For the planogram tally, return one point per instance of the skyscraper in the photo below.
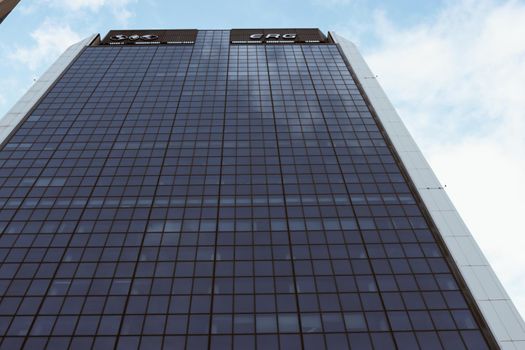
(246, 189)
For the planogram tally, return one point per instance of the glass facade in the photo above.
(217, 196)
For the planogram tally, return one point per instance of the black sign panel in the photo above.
(150, 36)
(277, 36)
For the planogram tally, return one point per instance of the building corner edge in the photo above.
(496, 307)
(23, 106)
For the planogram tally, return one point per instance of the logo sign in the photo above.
(134, 37)
(259, 36)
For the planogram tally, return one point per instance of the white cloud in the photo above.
(93, 5)
(458, 83)
(119, 8)
(51, 39)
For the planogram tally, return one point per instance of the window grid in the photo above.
(216, 195)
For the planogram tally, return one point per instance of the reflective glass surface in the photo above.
(216, 196)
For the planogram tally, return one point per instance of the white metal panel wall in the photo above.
(39, 88)
(498, 310)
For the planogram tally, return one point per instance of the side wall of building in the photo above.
(9, 122)
(498, 310)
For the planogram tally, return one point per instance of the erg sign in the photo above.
(260, 36)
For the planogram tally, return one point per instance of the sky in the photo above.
(454, 70)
